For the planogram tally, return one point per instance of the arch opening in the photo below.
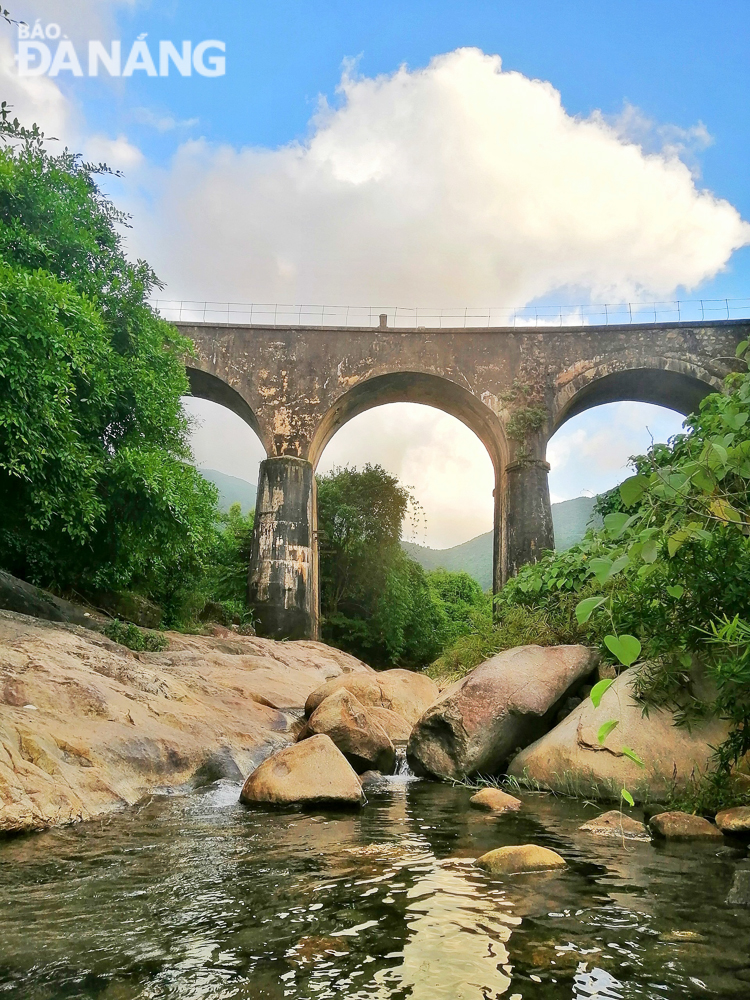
(438, 457)
(204, 385)
(227, 451)
(589, 454)
(661, 382)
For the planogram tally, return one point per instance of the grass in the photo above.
(518, 626)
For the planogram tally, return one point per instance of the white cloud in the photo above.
(162, 122)
(119, 154)
(458, 183)
(34, 99)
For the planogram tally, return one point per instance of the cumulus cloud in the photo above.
(35, 99)
(453, 184)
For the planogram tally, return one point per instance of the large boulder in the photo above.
(313, 772)
(503, 704)
(736, 821)
(404, 692)
(571, 756)
(360, 738)
(396, 726)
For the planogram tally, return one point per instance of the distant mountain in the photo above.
(570, 519)
(231, 490)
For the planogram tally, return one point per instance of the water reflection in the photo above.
(196, 898)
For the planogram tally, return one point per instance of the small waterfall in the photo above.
(401, 768)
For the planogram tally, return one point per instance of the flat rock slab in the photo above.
(616, 824)
(313, 772)
(524, 858)
(683, 826)
(495, 800)
(735, 820)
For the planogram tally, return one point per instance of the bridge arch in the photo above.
(204, 385)
(674, 383)
(414, 387)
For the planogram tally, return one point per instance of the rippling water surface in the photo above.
(197, 898)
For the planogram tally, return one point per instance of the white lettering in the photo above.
(219, 63)
(139, 58)
(52, 31)
(110, 60)
(167, 51)
(37, 30)
(27, 52)
(66, 58)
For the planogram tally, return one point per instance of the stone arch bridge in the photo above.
(296, 386)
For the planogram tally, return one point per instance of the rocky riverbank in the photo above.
(87, 726)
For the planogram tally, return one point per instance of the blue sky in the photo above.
(671, 77)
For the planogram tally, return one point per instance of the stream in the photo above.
(195, 897)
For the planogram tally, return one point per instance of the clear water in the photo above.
(197, 898)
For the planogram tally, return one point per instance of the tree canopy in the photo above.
(96, 485)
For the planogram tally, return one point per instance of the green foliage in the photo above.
(128, 634)
(375, 601)
(95, 483)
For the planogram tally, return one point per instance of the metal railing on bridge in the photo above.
(415, 318)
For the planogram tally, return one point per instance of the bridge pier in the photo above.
(282, 582)
(527, 515)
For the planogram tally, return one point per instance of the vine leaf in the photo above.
(633, 489)
(625, 647)
(599, 689)
(632, 755)
(586, 607)
(676, 591)
(606, 728)
(627, 797)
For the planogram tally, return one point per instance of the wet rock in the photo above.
(683, 826)
(404, 692)
(739, 894)
(524, 858)
(218, 766)
(313, 772)
(503, 704)
(361, 739)
(736, 821)
(616, 824)
(495, 800)
(570, 756)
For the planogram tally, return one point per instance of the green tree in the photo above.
(375, 601)
(95, 482)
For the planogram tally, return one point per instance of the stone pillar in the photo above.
(282, 585)
(527, 516)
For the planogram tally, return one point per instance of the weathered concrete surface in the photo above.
(87, 726)
(282, 586)
(296, 386)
